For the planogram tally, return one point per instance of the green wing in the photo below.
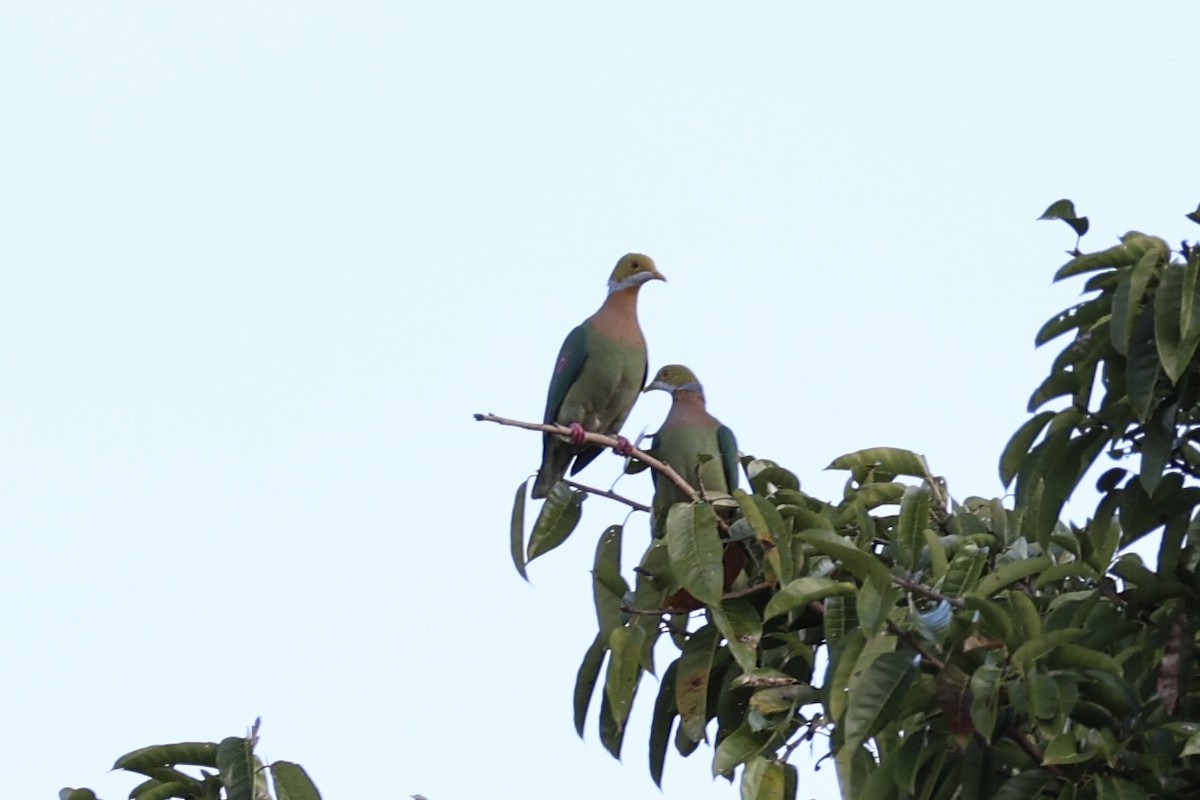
(729, 456)
(566, 371)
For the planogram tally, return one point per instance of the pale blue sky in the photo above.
(263, 260)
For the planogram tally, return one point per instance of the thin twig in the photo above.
(758, 587)
(656, 612)
(932, 594)
(634, 504)
(1031, 750)
(915, 644)
(605, 441)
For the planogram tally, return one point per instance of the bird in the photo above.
(598, 375)
(695, 443)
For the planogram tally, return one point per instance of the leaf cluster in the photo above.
(944, 649)
(228, 770)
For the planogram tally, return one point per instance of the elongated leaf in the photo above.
(235, 760)
(739, 623)
(200, 754)
(691, 682)
(694, 547)
(803, 591)
(557, 519)
(755, 510)
(661, 723)
(764, 779)
(1079, 315)
(840, 615)
(612, 735)
(739, 746)
(624, 670)
(1039, 646)
(1118, 789)
(861, 563)
(893, 459)
(1142, 371)
(985, 699)
(996, 622)
(841, 667)
(910, 528)
(875, 600)
(292, 782)
(1028, 785)
(585, 680)
(1010, 573)
(608, 587)
(1168, 324)
(1075, 657)
(517, 530)
(876, 696)
(964, 570)
(1189, 303)
(164, 791)
(1019, 444)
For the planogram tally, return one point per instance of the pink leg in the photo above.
(577, 433)
(624, 447)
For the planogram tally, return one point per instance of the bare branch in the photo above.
(921, 589)
(605, 441)
(634, 504)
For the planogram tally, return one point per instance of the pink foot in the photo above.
(624, 447)
(578, 434)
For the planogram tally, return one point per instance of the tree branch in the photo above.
(634, 504)
(650, 461)
(921, 589)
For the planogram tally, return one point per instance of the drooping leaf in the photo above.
(695, 550)
(841, 667)
(559, 515)
(608, 587)
(692, 681)
(736, 748)
(985, 698)
(756, 511)
(517, 530)
(861, 563)
(739, 623)
(624, 670)
(1118, 789)
(292, 782)
(1077, 316)
(585, 680)
(612, 735)
(910, 528)
(1142, 371)
(764, 779)
(665, 712)
(840, 614)
(875, 600)
(877, 694)
(1039, 646)
(235, 760)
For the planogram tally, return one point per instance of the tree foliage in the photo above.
(946, 648)
(229, 770)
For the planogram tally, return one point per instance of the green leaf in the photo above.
(860, 562)
(557, 519)
(1064, 749)
(612, 735)
(964, 570)
(1189, 301)
(764, 779)
(1076, 657)
(1194, 216)
(840, 614)
(738, 747)
(200, 754)
(695, 550)
(691, 682)
(1019, 444)
(739, 623)
(877, 694)
(874, 602)
(1118, 789)
(608, 587)
(517, 530)
(756, 510)
(661, 723)
(1010, 573)
(1039, 646)
(893, 459)
(1065, 210)
(803, 591)
(235, 760)
(996, 622)
(292, 782)
(1173, 353)
(985, 698)
(842, 659)
(585, 680)
(624, 670)
(1142, 371)
(910, 528)
(1077, 316)
(1028, 785)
